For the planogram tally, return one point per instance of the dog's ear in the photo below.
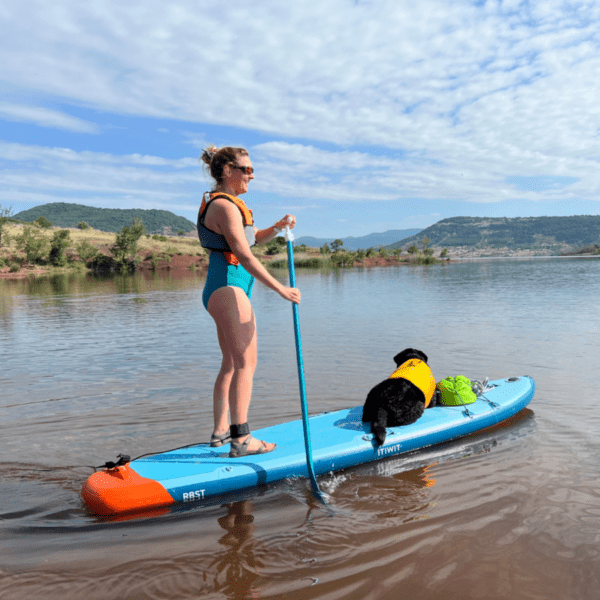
(409, 353)
(421, 355)
(402, 357)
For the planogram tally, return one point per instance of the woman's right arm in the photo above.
(229, 221)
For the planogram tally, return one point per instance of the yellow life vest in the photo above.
(419, 373)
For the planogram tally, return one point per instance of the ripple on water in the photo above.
(511, 512)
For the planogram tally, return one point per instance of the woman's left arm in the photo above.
(264, 236)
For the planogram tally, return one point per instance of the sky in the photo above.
(360, 116)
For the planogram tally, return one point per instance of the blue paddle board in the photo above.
(339, 440)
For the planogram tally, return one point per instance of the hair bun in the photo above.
(208, 154)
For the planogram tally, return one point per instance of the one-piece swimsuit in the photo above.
(221, 272)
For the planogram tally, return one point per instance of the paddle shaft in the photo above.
(303, 403)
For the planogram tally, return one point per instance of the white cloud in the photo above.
(305, 171)
(45, 118)
(41, 174)
(455, 97)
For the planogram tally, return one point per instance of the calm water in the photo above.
(91, 368)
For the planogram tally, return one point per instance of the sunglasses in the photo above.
(246, 170)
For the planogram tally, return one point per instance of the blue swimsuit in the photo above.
(221, 272)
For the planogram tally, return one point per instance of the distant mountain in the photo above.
(520, 232)
(63, 214)
(373, 240)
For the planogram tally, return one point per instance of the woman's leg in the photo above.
(221, 390)
(232, 312)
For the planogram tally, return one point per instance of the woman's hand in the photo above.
(287, 221)
(291, 294)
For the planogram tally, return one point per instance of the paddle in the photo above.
(309, 461)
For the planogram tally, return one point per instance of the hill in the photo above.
(63, 214)
(373, 240)
(545, 233)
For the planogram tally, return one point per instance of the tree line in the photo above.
(336, 255)
(43, 250)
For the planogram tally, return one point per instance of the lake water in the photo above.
(93, 367)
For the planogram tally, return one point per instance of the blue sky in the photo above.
(359, 115)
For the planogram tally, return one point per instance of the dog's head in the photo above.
(407, 354)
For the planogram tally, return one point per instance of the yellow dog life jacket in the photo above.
(419, 373)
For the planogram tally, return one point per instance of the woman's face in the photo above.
(237, 179)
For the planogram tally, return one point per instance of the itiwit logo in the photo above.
(389, 450)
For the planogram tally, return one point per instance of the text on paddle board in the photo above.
(197, 495)
(390, 450)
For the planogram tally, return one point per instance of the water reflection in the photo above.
(73, 284)
(237, 567)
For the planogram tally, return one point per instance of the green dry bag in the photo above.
(456, 391)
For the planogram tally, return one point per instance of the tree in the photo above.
(425, 241)
(413, 250)
(341, 259)
(43, 223)
(325, 249)
(33, 242)
(275, 246)
(336, 245)
(5, 214)
(127, 240)
(86, 251)
(59, 243)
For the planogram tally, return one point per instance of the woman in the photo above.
(226, 229)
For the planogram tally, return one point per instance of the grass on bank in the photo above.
(45, 249)
(29, 246)
(313, 259)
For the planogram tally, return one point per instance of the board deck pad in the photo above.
(339, 440)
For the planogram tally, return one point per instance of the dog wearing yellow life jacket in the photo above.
(402, 398)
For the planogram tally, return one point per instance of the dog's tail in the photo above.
(378, 427)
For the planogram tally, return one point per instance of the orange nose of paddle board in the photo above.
(121, 489)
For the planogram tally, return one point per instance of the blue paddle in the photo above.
(309, 461)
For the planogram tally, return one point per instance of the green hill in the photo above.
(63, 214)
(554, 233)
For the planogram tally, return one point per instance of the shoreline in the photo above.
(191, 262)
(181, 253)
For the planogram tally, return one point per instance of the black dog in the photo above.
(397, 400)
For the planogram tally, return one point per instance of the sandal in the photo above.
(217, 439)
(241, 448)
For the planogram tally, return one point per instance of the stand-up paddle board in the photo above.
(339, 440)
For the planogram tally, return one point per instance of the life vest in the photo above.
(212, 240)
(419, 373)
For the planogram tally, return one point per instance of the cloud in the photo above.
(45, 118)
(40, 174)
(307, 171)
(361, 101)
